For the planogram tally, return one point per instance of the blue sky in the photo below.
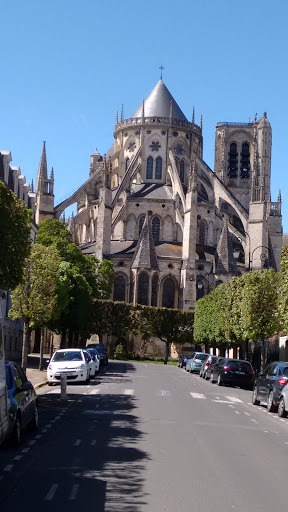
(67, 66)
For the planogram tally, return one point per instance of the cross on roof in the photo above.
(161, 68)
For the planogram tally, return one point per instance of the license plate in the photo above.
(240, 373)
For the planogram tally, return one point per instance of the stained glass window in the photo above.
(154, 290)
(143, 287)
(149, 168)
(156, 228)
(119, 289)
(158, 172)
(168, 297)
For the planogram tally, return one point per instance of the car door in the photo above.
(21, 396)
(89, 363)
(265, 380)
(218, 367)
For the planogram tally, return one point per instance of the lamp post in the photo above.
(199, 283)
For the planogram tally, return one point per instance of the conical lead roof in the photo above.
(158, 104)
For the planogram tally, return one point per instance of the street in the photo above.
(148, 437)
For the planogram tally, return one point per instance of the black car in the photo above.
(269, 384)
(208, 361)
(22, 402)
(236, 372)
(182, 361)
(209, 371)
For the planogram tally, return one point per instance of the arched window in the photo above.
(119, 289)
(202, 237)
(199, 289)
(182, 170)
(141, 222)
(158, 171)
(168, 297)
(127, 164)
(149, 168)
(154, 290)
(233, 161)
(245, 161)
(156, 229)
(143, 287)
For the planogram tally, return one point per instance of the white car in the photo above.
(73, 362)
(283, 403)
(92, 363)
(95, 358)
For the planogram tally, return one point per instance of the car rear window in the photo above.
(239, 366)
(201, 357)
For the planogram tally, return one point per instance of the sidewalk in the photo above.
(37, 377)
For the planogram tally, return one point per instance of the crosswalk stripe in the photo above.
(50, 494)
(163, 392)
(234, 399)
(198, 395)
(128, 392)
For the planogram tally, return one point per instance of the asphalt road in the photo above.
(148, 438)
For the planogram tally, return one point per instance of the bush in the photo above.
(119, 352)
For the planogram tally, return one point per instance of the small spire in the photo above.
(52, 174)
(122, 113)
(42, 170)
(63, 217)
(143, 109)
(256, 116)
(193, 116)
(116, 120)
(279, 197)
(32, 186)
(265, 115)
(171, 109)
(161, 69)
(201, 122)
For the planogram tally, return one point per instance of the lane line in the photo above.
(163, 392)
(247, 413)
(198, 395)
(78, 442)
(74, 492)
(237, 412)
(94, 391)
(128, 392)
(8, 468)
(234, 399)
(25, 450)
(93, 442)
(51, 493)
(18, 457)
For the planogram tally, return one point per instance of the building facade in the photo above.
(174, 228)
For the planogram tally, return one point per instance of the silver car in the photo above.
(283, 403)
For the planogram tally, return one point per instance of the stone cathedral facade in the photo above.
(174, 228)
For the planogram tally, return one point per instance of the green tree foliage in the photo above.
(34, 299)
(114, 318)
(283, 291)
(15, 220)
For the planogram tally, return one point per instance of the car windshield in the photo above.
(67, 356)
(240, 366)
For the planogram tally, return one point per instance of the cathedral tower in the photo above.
(44, 190)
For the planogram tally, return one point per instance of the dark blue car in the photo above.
(22, 402)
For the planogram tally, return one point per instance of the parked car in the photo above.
(182, 361)
(101, 351)
(95, 357)
(209, 374)
(283, 403)
(236, 372)
(22, 402)
(194, 363)
(269, 385)
(207, 362)
(72, 363)
(91, 363)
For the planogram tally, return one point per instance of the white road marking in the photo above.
(18, 457)
(78, 442)
(247, 413)
(38, 436)
(25, 450)
(93, 442)
(32, 442)
(128, 392)
(232, 406)
(237, 412)
(74, 492)
(163, 392)
(50, 494)
(94, 391)
(198, 395)
(267, 432)
(286, 442)
(234, 399)
(255, 421)
(8, 468)
(221, 401)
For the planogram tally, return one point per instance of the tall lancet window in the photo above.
(168, 297)
(156, 229)
(158, 171)
(127, 164)
(245, 161)
(143, 288)
(154, 290)
(149, 168)
(233, 161)
(141, 222)
(182, 170)
(119, 289)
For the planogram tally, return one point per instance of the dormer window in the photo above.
(245, 161)
(233, 161)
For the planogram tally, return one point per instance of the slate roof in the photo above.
(152, 191)
(145, 254)
(226, 263)
(158, 102)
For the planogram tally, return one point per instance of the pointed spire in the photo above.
(42, 170)
(193, 116)
(145, 253)
(32, 186)
(122, 113)
(52, 174)
(116, 120)
(201, 122)
(226, 263)
(279, 197)
(171, 109)
(143, 109)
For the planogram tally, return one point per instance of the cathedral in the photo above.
(173, 227)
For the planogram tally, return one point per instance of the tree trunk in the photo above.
(263, 355)
(167, 352)
(63, 339)
(41, 350)
(25, 348)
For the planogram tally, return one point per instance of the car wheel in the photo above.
(281, 409)
(219, 381)
(255, 400)
(16, 434)
(271, 407)
(35, 420)
(212, 377)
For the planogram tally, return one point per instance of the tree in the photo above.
(283, 291)
(169, 325)
(34, 299)
(15, 242)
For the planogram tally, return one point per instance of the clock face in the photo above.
(179, 149)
